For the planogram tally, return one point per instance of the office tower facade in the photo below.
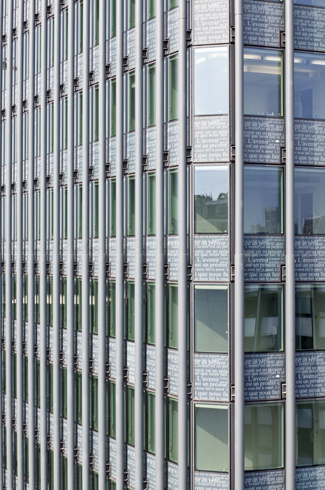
(162, 244)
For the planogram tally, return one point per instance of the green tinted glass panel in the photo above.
(113, 209)
(173, 430)
(131, 207)
(96, 210)
(151, 204)
(152, 95)
(173, 203)
(173, 316)
(173, 89)
(211, 438)
(131, 305)
(132, 101)
(96, 114)
(310, 433)
(310, 317)
(131, 13)
(151, 423)
(113, 108)
(151, 313)
(112, 305)
(112, 410)
(151, 9)
(131, 421)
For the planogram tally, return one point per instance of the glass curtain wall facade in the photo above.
(120, 156)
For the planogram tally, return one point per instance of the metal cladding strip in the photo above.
(119, 253)
(43, 274)
(1, 273)
(239, 251)
(182, 257)
(102, 250)
(290, 335)
(9, 318)
(85, 252)
(19, 257)
(31, 277)
(139, 346)
(56, 251)
(160, 256)
(70, 256)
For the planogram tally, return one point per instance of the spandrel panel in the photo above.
(263, 257)
(310, 374)
(310, 258)
(210, 22)
(211, 139)
(310, 478)
(265, 480)
(263, 139)
(211, 258)
(309, 142)
(211, 377)
(263, 22)
(209, 481)
(151, 147)
(264, 374)
(309, 28)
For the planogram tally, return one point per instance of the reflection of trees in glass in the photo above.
(211, 215)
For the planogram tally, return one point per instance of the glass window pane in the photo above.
(131, 13)
(173, 89)
(210, 199)
(211, 81)
(151, 423)
(96, 19)
(151, 9)
(113, 107)
(131, 305)
(263, 82)
(132, 101)
(211, 319)
(152, 95)
(95, 306)
(309, 201)
(211, 438)
(263, 200)
(309, 86)
(173, 316)
(113, 208)
(113, 18)
(264, 440)
(310, 317)
(112, 410)
(131, 214)
(173, 3)
(173, 203)
(96, 114)
(112, 300)
(151, 313)
(96, 210)
(263, 318)
(173, 430)
(151, 204)
(310, 430)
(131, 422)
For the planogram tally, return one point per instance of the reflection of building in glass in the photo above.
(314, 226)
(271, 220)
(215, 211)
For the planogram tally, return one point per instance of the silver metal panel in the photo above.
(79, 349)
(96, 255)
(131, 361)
(310, 374)
(310, 478)
(263, 256)
(211, 139)
(264, 480)
(172, 370)
(263, 22)
(310, 258)
(151, 37)
(131, 465)
(211, 377)
(95, 159)
(151, 147)
(131, 151)
(112, 357)
(207, 481)
(112, 456)
(173, 30)
(112, 255)
(95, 450)
(151, 471)
(263, 376)
(131, 256)
(172, 471)
(131, 48)
(151, 257)
(151, 366)
(309, 30)
(95, 354)
(79, 437)
(210, 22)
(172, 257)
(263, 137)
(211, 258)
(96, 63)
(172, 142)
(309, 148)
(112, 155)
(112, 56)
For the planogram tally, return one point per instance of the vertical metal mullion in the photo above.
(290, 342)
(56, 252)
(102, 250)
(70, 258)
(19, 257)
(239, 252)
(119, 253)
(160, 257)
(1, 250)
(139, 247)
(85, 253)
(182, 258)
(31, 299)
(8, 252)
(43, 275)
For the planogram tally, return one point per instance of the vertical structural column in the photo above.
(85, 253)
(1, 249)
(19, 257)
(182, 258)
(119, 253)
(31, 288)
(43, 275)
(239, 251)
(160, 257)
(138, 248)
(70, 258)
(8, 266)
(56, 252)
(102, 251)
(290, 342)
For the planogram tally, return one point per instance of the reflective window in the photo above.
(173, 316)
(112, 309)
(151, 423)
(151, 9)
(173, 430)
(132, 101)
(211, 318)
(310, 317)
(264, 441)
(152, 95)
(112, 409)
(131, 207)
(309, 86)
(113, 209)
(263, 82)
(130, 419)
(131, 13)
(130, 311)
(263, 200)
(172, 89)
(311, 3)
(210, 199)
(211, 81)
(172, 202)
(151, 211)
(113, 18)
(211, 438)
(309, 201)
(151, 313)
(263, 318)
(113, 107)
(172, 4)
(310, 433)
